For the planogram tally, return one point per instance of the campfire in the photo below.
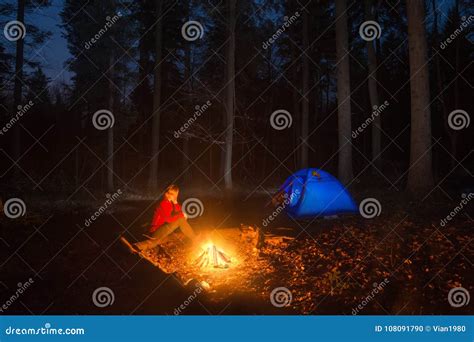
(226, 260)
(212, 257)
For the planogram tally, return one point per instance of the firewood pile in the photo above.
(213, 257)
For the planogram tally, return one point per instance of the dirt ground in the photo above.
(332, 266)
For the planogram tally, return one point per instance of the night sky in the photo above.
(54, 51)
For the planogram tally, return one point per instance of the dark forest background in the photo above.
(151, 78)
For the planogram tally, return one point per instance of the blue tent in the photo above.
(314, 192)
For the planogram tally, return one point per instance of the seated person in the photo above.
(167, 218)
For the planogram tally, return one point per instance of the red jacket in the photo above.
(165, 212)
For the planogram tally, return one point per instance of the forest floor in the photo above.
(400, 262)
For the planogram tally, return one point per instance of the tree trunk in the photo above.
(328, 87)
(454, 135)
(420, 177)
(343, 95)
(318, 99)
(305, 99)
(18, 86)
(296, 108)
(439, 82)
(143, 79)
(230, 97)
(76, 167)
(456, 64)
(373, 91)
(189, 101)
(155, 131)
(110, 131)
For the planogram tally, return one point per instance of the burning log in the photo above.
(223, 257)
(212, 257)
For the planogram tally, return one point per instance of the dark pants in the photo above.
(163, 231)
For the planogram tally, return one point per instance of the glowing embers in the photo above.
(212, 257)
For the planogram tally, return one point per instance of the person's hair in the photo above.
(172, 187)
